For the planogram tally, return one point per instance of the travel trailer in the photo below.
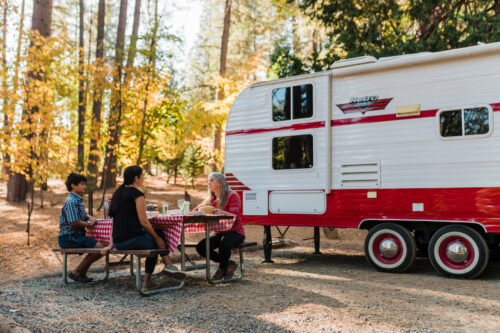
(407, 147)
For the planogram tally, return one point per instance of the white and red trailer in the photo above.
(407, 147)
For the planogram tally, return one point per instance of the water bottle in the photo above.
(106, 208)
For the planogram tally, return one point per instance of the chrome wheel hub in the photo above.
(457, 252)
(388, 248)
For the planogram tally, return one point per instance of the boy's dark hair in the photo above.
(75, 179)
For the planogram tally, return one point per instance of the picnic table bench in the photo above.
(139, 254)
(174, 228)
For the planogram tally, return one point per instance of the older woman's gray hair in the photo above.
(223, 193)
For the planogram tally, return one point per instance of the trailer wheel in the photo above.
(458, 251)
(390, 248)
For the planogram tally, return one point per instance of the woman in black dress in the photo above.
(131, 228)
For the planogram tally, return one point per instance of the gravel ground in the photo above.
(300, 292)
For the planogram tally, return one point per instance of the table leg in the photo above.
(138, 282)
(107, 267)
(207, 251)
(183, 253)
(65, 268)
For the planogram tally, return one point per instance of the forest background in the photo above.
(94, 86)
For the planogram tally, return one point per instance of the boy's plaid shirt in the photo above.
(72, 211)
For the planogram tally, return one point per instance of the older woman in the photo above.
(225, 202)
(131, 228)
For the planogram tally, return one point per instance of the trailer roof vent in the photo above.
(360, 175)
(353, 62)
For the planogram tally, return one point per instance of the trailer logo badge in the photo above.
(364, 104)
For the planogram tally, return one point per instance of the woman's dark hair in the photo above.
(128, 179)
(75, 179)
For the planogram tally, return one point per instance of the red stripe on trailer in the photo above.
(348, 208)
(495, 106)
(346, 121)
(294, 127)
(235, 184)
(239, 188)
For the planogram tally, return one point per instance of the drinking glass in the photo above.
(181, 206)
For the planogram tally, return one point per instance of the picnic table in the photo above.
(174, 227)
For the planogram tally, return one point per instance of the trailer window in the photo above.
(451, 123)
(302, 101)
(293, 152)
(281, 104)
(476, 121)
(293, 103)
(471, 121)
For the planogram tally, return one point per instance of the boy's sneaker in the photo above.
(173, 272)
(150, 285)
(219, 274)
(231, 267)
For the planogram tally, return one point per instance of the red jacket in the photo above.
(233, 206)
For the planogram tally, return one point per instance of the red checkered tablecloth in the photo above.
(171, 226)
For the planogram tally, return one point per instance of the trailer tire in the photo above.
(458, 252)
(390, 248)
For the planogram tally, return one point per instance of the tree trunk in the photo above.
(97, 102)
(42, 17)
(225, 38)
(295, 35)
(222, 73)
(109, 171)
(5, 95)
(132, 50)
(152, 63)
(17, 186)
(41, 21)
(116, 100)
(9, 112)
(82, 101)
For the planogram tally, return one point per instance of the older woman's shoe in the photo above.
(219, 274)
(231, 267)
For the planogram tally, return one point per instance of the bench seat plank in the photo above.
(242, 245)
(140, 253)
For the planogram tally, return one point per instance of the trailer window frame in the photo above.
(294, 170)
(463, 136)
(291, 102)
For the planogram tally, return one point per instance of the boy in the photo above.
(72, 224)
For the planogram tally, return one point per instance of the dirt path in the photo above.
(336, 291)
(301, 292)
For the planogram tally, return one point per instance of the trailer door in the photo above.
(297, 154)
